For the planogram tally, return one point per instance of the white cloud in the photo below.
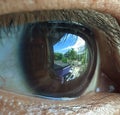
(79, 43)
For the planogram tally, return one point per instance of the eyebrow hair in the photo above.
(91, 18)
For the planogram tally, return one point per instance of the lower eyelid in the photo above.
(92, 102)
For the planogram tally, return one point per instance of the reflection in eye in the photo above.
(48, 59)
(70, 57)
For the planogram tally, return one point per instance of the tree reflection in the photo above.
(71, 60)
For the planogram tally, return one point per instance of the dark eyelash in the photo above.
(90, 18)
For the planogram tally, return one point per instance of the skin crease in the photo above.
(92, 103)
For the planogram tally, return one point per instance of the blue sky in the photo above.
(67, 42)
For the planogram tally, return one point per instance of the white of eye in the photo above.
(11, 75)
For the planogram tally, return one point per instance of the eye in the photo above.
(51, 59)
(41, 58)
(109, 64)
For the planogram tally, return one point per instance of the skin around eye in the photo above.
(108, 6)
(92, 106)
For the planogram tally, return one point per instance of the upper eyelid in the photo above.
(90, 18)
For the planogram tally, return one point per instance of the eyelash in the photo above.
(90, 18)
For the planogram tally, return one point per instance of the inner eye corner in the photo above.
(59, 58)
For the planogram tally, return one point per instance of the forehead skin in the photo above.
(103, 103)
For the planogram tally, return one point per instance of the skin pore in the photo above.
(106, 103)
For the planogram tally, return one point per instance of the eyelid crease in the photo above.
(90, 18)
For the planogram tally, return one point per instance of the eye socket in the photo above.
(58, 58)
